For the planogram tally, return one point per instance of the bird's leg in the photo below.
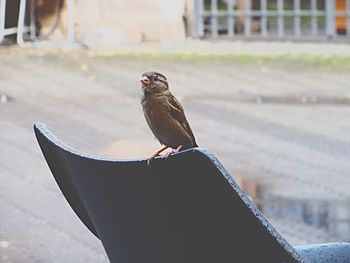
(173, 151)
(178, 149)
(149, 160)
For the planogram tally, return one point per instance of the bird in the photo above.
(164, 115)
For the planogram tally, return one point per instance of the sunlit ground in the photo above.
(280, 125)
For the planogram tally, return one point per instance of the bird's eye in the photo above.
(155, 77)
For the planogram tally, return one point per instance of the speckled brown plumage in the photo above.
(164, 114)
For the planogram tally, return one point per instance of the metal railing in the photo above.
(21, 28)
(272, 19)
(70, 27)
(6, 31)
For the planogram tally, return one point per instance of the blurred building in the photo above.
(104, 23)
(110, 23)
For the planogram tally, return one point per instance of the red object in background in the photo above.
(341, 20)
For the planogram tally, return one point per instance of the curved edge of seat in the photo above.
(42, 131)
(267, 225)
(47, 139)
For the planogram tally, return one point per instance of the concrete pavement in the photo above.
(265, 121)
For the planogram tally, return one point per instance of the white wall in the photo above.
(109, 23)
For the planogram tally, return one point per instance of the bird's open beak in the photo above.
(144, 80)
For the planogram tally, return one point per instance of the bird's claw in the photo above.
(167, 155)
(150, 159)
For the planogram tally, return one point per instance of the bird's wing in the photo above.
(178, 113)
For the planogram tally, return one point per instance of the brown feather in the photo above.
(165, 115)
(178, 113)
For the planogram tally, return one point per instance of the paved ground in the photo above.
(270, 48)
(289, 154)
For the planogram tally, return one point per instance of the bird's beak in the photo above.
(144, 80)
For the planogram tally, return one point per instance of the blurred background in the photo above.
(265, 85)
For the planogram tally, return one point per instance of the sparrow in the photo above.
(164, 115)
